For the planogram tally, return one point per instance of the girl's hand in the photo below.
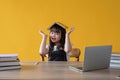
(68, 33)
(42, 33)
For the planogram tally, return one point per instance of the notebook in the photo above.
(95, 57)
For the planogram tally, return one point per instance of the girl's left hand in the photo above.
(71, 30)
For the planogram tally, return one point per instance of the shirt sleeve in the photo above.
(47, 47)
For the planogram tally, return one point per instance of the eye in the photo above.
(51, 32)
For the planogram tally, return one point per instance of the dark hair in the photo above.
(57, 28)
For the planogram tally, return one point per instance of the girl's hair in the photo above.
(57, 29)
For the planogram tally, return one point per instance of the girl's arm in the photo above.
(68, 46)
(43, 49)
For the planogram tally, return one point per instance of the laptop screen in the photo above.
(97, 57)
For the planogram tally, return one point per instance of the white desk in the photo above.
(56, 71)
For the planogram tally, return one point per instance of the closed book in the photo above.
(114, 65)
(8, 57)
(9, 63)
(115, 61)
(116, 55)
(115, 58)
(10, 67)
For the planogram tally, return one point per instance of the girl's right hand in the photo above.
(42, 33)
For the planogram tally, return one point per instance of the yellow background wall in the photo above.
(96, 22)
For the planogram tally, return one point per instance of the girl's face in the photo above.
(55, 36)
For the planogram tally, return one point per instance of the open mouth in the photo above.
(53, 39)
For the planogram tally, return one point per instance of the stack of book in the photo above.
(9, 62)
(115, 60)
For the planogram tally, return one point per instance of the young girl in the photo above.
(59, 43)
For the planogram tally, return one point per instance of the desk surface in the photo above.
(57, 71)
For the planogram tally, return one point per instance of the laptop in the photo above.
(95, 57)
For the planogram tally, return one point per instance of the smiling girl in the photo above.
(59, 43)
